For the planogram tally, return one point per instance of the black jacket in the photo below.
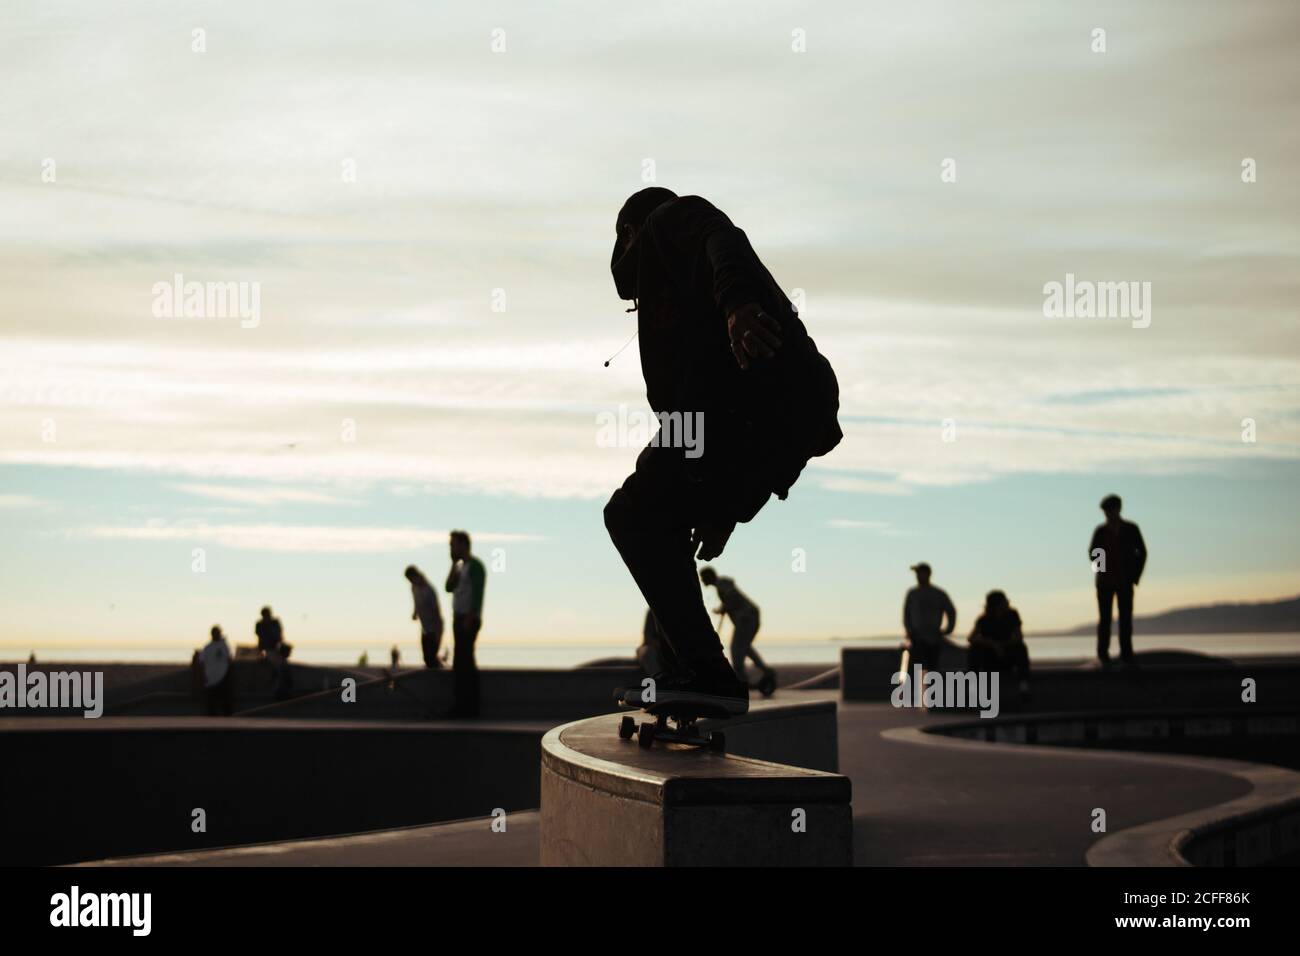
(1124, 560)
(694, 268)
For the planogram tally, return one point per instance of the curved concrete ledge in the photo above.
(609, 802)
(1255, 829)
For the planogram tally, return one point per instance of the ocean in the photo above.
(492, 653)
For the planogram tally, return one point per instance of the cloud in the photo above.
(377, 294)
(884, 528)
(323, 539)
(263, 495)
(21, 501)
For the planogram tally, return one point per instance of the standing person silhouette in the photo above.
(218, 675)
(269, 633)
(721, 347)
(925, 609)
(466, 582)
(427, 611)
(1118, 555)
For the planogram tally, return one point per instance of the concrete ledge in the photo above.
(507, 694)
(1164, 680)
(120, 786)
(608, 802)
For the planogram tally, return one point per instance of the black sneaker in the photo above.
(712, 683)
(635, 696)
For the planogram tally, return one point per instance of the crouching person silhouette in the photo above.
(722, 348)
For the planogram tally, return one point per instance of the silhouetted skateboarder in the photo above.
(1118, 555)
(720, 345)
(744, 622)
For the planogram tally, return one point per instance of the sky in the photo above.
(423, 196)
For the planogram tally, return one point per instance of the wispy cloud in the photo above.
(21, 502)
(327, 539)
(884, 528)
(263, 495)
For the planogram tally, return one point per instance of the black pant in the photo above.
(650, 520)
(1122, 594)
(430, 644)
(464, 630)
(221, 696)
(1013, 659)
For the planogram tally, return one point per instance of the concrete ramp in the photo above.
(771, 800)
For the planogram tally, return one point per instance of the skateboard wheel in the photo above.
(717, 741)
(645, 735)
(626, 728)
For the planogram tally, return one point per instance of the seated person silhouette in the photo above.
(997, 642)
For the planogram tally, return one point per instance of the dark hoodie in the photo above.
(689, 268)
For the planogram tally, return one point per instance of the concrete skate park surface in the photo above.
(128, 785)
(918, 799)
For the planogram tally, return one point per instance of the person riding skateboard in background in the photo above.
(924, 609)
(466, 581)
(720, 345)
(744, 622)
(652, 655)
(1118, 555)
(427, 611)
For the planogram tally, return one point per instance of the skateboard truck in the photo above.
(674, 722)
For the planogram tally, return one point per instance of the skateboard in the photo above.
(674, 722)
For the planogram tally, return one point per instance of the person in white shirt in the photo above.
(924, 612)
(218, 676)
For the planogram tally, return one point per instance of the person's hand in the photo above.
(754, 334)
(708, 540)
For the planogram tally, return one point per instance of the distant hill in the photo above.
(1264, 617)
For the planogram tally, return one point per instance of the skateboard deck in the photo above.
(674, 722)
